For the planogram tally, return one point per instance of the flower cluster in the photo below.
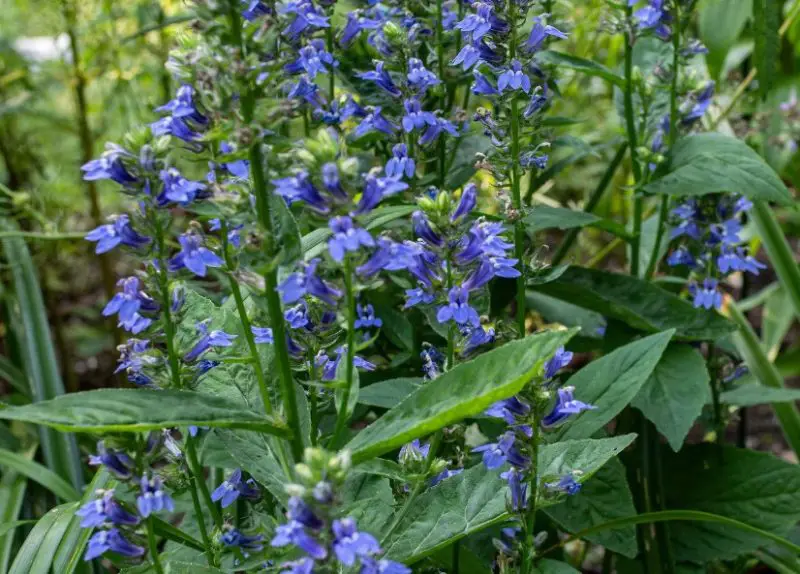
(315, 527)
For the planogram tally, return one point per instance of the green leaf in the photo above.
(36, 553)
(285, 230)
(136, 410)
(389, 394)
(9, 526)
(766, 372)
(606, 496)
(766, 53)
(611, 382)
(546, 217)
(382, 467)
(12, 495)
(461, 165)
(674, 395)
(751, 395)
(482, 381)
(547, 566)
(16, 378)
(719, 24)
(775, 322)
(756, 488)
(396, 326)
(638, 303)
(38, 473)
(476, 498)
(588, 67)
(713, 163)
(252, 454)
(39, 357)
(368, 499)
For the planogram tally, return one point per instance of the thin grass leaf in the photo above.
(38, 473)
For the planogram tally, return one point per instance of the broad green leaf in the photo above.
(461, 164)
(588, 67)
(719, 24)
(39, 358)
(368, 499)
(195, 309)
(381, 467)
(775, 322)
(389, 394)
(604, 497)
(755, 394)
(466, 390)
(476, 498)
(136, 410)
(557, 311)
(547, 566)
(546, 217)
(713, 163)
(767, 15)
(38, 473)
(638, 303)
(36, 553)
(396, 326)
(674, 395)
(611, 382)
(178, 567)
(756, 488)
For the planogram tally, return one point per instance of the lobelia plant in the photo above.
(330, 336)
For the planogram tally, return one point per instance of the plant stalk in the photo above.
(630, 126)
(151, 543)
(343, 415)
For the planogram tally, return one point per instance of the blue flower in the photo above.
(347, 238)
(119, 231)
(482, 22)
(538, 34)
(331, 181)
(193, 256)
(329, 367)
(481, 86)
(305, 15)
(179, 189)
(514, 78)
(128, 303)
(255, 9)
(382, 78)
(239, 168)
(737, 259)
(415, 118)
(508, 410)
(119, 463)
(413, 452)
(133, 360)
(305, 90)
(565, 406)
(400, 164)
(708, 296)
(418, 296)
(294, 533)
(558, 361)
(688, 214)
(458, 309)
(178, 128)
(152, 497)
(234, 538)
(566, 484)
(302, 566)
(356, 23)
(233, 235)
(110, 166)
(230, 490)
(113, 540)
(653, 16)
(489, 268)
(468, 201)
(300, 188)
(350, 544)
(306, 282)
(299, 511)
(375, 190)
(422, 229)
(432, 362)
(313, 59)
(371, 566)
(483, 238)
(435, 130)
(183, 106)
(366, 318)
(444, 475)
(700, 106)
(518, 487)
(214, 338)
(105, 510)
(681, 256)
(477, 338)
(419, 77)
(374, 121)
(497, 454)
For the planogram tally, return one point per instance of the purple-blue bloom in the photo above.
(419, 77)
(566, 484)
(234, 487)
(497, 454)
(113, 540)
(565, 406)
(558, 361)
(306, 282)
(514, 78)
(152, 497)
(312, 59)
(400, 164)
(105, 510)
(119, 463)
(518, 487)
(118, 232)
(458, 309)
(468, 201)
(708, 296)
(347, 238)
(179, 189)
(349, 544)
(294, 533)
(128, 303)
(415, 118)
(194, 256)
(234, 538)
(539, 33)
(208, 340)
(110, 166)
(382, 78)
(366, 317)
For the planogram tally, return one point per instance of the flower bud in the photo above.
(394, 35)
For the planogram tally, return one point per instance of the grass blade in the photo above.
(38, 473)
(780, 253)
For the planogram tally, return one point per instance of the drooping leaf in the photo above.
(38, 473)
(12, 495)
(546, 217)
(480, 382)
(396, 326)
(611, 382)
(713, 163)
(389, 394)
(462, 164)
(606, 496)
(476, 498)
(755, 394)
(756, 488)
(583, 65)
(674, 395)
(39, 357)
(638, 303)
(136, 410)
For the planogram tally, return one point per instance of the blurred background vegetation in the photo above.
(74, 75)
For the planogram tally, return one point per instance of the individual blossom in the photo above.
(415, 118)
(110, 166)
(178, 189)
(111, 540)
(400, 164)
(566, 484)
(300, 188)
(152, 497)
(374, 121)
(349, 544)
(194, 256)
(375, 190)
(366, 317)
(330, 366)
(539, 33)
(708, 296)
(518, 486)
(467, 202)
(419, 77)
(558, 361)
(233, 538)
(306, 282)
(118, 232)
(119, 463)
(128, 303)
(312, 59)
(565, 406)
(233, 487)
(504, 450)
(105, 510)
(208, 340)
(514, 79)
(347, 238)
(382, 78)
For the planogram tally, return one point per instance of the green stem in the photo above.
(273, 301)
(344, 411)
(719, 429)
(591, 204)
(533, 488)
(201, 522)
(197, 472)
(630, 126)
(151, 543)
